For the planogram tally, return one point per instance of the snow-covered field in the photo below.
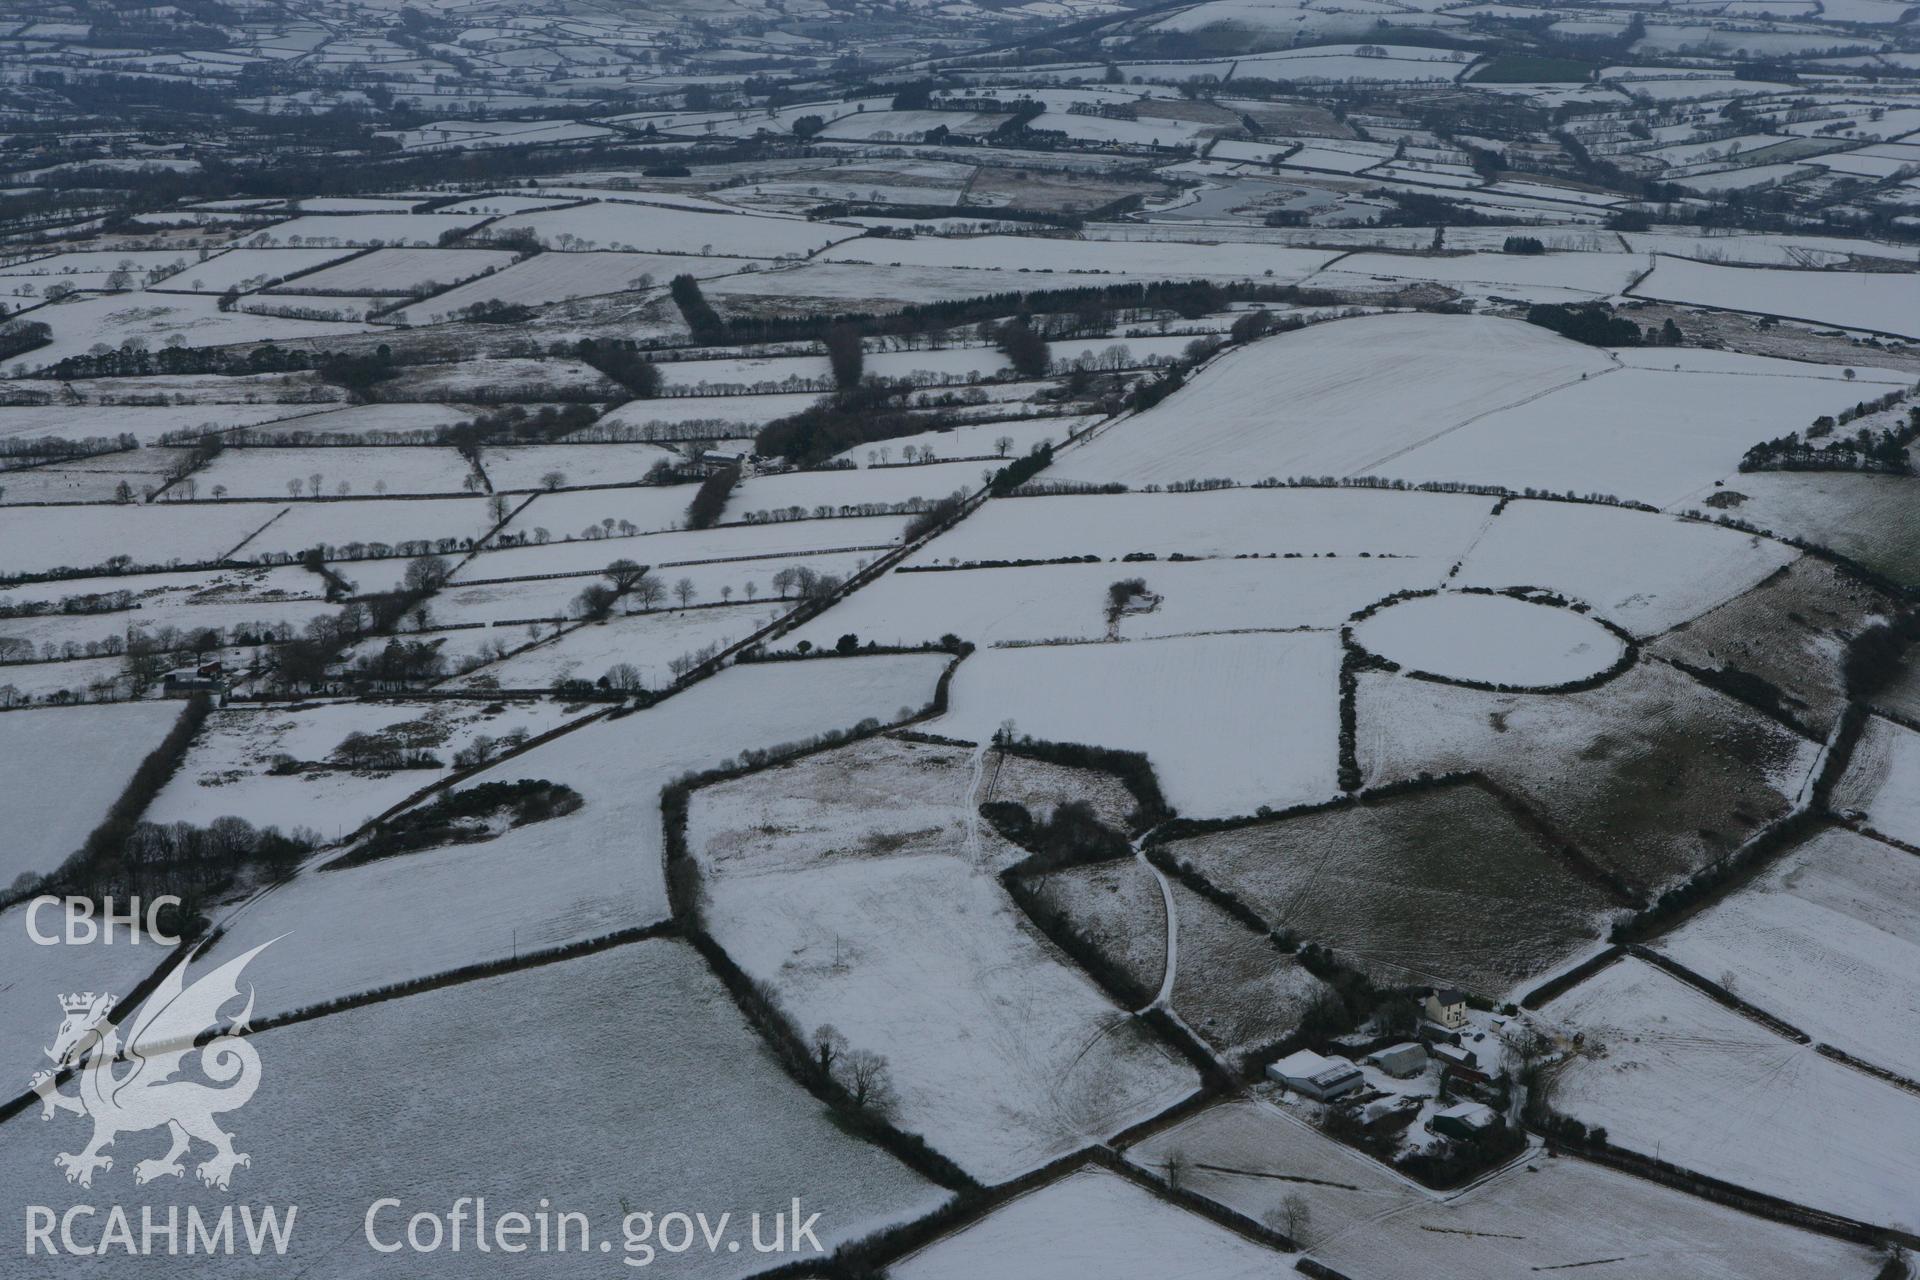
(1228, 522)
(1644, 572)
(1230, 722)
(570, 514)
(852, 884)
(403, 270)
(1668, 1072)
(163, 590)
(1566, 277)
(1651, 774)
(339, 527)
(371, 418)
(844, 492)
(398, 229)
(34, 977)
(1457, 643)
(721, 415)
(739, 582)
(657, 229)
(1345, 398)
(1363, 879)
(157, 319)
(1068, 601)
(670, 550)
(1090, 1223)
(266, 473)
(999, 254)
(238, 616)
(825, 285)
(1826, 940)
(595, 871)
(521, 467)
(1652, 433)
(649, 642)
(1759, 249)
(146, 423)
(1888, 303)
(251, 269)
(980, 439)
(95, 479)
(1542, 1214)
(37, 540)
(1861, 515)
(64, 767)
(1491, 639)
(556, 277)
(229, 770)
(1882, 782)
(583, 1138)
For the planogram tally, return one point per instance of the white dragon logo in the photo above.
(146, 1096)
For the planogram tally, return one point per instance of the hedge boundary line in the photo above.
(153, 773)
(1713, 882)
(121, 1009)
(1759, 1204)
(1719, 994)
(468, 973)
(1555, 987)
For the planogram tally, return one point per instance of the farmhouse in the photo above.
(1402, 1061)
(184, 682)
(1318, 1077)
(1465, 1120)
(1447, 1007)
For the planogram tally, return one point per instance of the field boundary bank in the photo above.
(1770, 315)
(1717, 993)
(1732, 1195)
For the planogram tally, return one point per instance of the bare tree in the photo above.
(595, 600)
(1003, 446)
(683, 591)
(425, 574)
(623, 574)
(1294, 1219)
(648, 590)
(624, 677)
(553, 480)
(868, 1078)
(828, 1045)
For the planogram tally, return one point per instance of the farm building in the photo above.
(1447, 1007)
(1402, 1061)
(1466, 1120)
(1458, 1061)
(184, 682)
(1318, 1077)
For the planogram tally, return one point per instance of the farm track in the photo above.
(1164, 999)
(1486, 527)
(972, 803)
(1462, 425)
